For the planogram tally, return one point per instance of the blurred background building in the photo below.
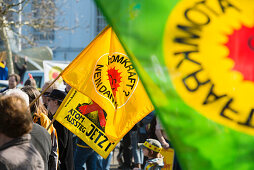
(81, 20)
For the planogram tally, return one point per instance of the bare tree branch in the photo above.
(38, 19)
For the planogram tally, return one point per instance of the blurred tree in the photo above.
(28, 21)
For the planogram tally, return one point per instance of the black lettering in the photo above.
(77, 116)
(67, 117)
(98, 137)
(196, 20)
(97, 74)
(186, 57)
(107, 93)
(126, 93)
(77, 124)
(224, 4)
(83, 118)
(98, 82)
(102, 89)
(130, 67)
(107, 147)
(82, 129)
(203, 3)
(72, 121)
(117, 58)
(91, 137)
(125, 62)
(133, 81)
(191, 35)
(111, 97)
(212, 97)
(98, 67)
(89, 133)
(75, 92)
(109, 60)
(194, 77)
(227, 107)
(71, 112)
(130, 85)
(131, 74)
(248, 122)
(103, 141)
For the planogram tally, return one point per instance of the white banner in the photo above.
(52, 69)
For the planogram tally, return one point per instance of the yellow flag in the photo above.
(104, 73)
(72, 114)
(168, 158)
(2, 65)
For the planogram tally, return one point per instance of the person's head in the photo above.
(30, 82)
(48, 91)
(14, 80)
(33, 93)
(67, 87)
(19, 93)
(151, 148)
(15, 119)
(55, 99)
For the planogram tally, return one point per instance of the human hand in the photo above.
(165, 145)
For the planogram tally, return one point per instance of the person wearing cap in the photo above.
(65, 143)
(151, 149)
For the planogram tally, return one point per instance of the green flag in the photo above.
(195, 58)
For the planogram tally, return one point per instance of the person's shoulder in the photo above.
(37, 127)
(3, 166)
(12, 156)
(156, 161)
(39, 132)
(4, 89)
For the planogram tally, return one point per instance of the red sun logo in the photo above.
(241, 51)
(114, 79)
(54, 75)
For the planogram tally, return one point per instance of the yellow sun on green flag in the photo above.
(199, 53)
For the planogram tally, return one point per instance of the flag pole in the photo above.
(64, 71)
(52, 121)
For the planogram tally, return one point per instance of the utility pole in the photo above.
(19, 28)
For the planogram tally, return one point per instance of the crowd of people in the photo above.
(26, 143)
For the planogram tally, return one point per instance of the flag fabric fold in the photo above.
(198, 57)
(104, 73)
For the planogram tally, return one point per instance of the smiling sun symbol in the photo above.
(114, 78)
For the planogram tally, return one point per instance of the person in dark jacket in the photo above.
(65, 142)
(21, 68)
